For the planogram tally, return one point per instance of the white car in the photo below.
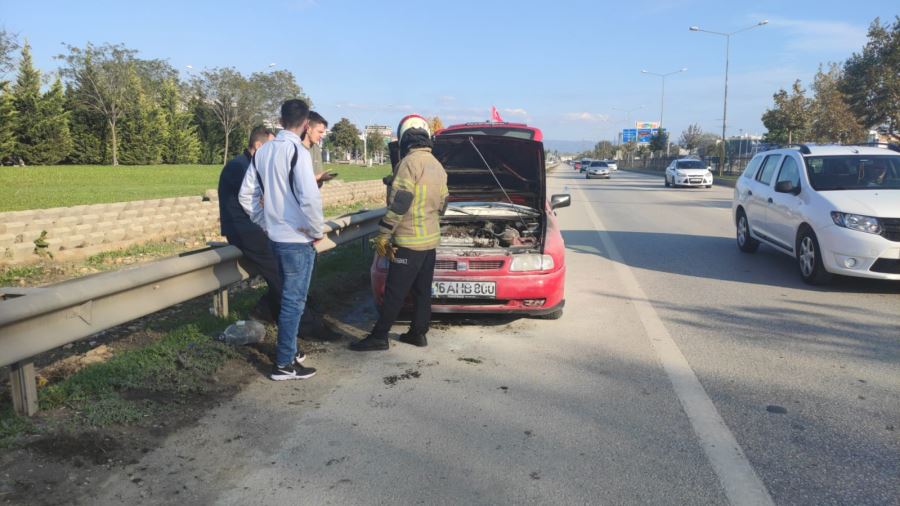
(688, 172)
(612, 164)
(597, 169)
(836, 209)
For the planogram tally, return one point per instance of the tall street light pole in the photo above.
(725, 102)
(662, 97)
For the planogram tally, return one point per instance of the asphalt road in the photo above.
(682, 372)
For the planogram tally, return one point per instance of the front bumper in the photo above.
(693, 180)
(517, 293)
(874, 256)
(600, 175)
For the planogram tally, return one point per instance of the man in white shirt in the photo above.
(281, 175)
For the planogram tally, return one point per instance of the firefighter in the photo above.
(408, 235)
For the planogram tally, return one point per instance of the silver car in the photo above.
(597, 169)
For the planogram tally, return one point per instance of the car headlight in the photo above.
(531, 262)
(868, 224)
(709, 174)
(679, 173)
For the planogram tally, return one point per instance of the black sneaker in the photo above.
(299, 358)
(371, 343)
(289, 372)
(413, 339)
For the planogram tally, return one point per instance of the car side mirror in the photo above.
(709, 168)
(560, 200)
(786, 187)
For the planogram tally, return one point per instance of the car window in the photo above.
(754, 164)
(789, 172)
(691, 164)
(768, 170)
(853, 172)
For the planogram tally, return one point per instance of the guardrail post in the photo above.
(23, 386)
(220, 303)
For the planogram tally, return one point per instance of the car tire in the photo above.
(667, 181)
(556, 315)
(809, 258)
(745, 241)
(708, 186)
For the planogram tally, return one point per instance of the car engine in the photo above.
(490, 234)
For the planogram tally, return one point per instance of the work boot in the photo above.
(371, 343)
(413, 338)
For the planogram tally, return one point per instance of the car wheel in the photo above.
(708, 186)
(667, 181)
(745, 241)
(809, 258)
(556, 315)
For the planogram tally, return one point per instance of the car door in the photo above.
(784, 212)
(759, 192)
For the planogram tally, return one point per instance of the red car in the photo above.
(501, 249)
(519, 130)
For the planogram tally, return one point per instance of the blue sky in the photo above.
(563, 66)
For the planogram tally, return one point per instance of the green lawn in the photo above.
(68, 185)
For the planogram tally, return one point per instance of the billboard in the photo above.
(639, 135)
(652, 125)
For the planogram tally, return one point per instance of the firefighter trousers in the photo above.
(410, 273)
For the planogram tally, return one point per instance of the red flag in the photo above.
(495, 115)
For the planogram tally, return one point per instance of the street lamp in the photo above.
(662, 98)
(727, 51)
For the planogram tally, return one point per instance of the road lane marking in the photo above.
(741, 483)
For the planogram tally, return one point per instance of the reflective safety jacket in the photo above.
(416, 199)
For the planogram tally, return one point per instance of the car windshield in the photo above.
(691, 164)
(598, 164)
(853, 172)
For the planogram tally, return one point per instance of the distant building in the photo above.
(385, 131)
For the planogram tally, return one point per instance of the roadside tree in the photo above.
(102, 77)
(9, 44)
(871, 79)
(604, 150)
(7, 122)
(222, 92)
(344, 138)
(181, 145)
(375, 143)
(690, 137)
(832, 119)
(789, 120)
(435, 124)
(41, 122)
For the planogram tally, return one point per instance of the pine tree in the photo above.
(142, 132)
(54, 141)
(26, 95)
(182, 143)
(7, 122)
(89, 132)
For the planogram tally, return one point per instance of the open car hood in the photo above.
(517, 163)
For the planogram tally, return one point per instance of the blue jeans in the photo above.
(295, 266)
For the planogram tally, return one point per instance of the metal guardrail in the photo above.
(37, 320)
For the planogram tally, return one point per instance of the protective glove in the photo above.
(382, 246)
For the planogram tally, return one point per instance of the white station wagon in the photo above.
(836, 209)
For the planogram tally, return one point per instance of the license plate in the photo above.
(464, 289)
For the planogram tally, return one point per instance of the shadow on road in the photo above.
(714, 258)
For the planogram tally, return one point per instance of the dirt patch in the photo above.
(395, 378)
(63, 461)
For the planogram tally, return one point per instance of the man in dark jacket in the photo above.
(246, 235)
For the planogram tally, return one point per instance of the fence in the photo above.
(36, 320)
